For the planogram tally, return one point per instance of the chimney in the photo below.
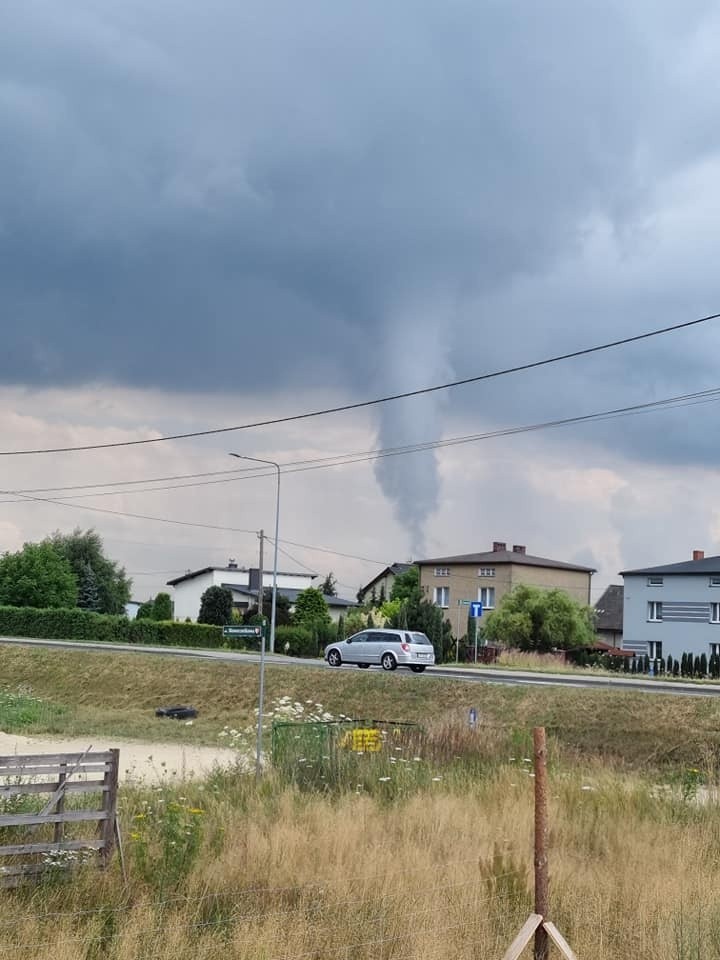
(698, 554)
(499, 546)
(519, 548)
(232, 564)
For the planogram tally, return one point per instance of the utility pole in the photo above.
(261, 535)
(261, 695)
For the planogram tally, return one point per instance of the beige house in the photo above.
(451, 582)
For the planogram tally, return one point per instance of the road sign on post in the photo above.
(476, 611)
(234, 630)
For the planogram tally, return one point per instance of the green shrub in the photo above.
(76, 624)
(296, 642)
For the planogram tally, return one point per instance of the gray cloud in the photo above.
(184, 190)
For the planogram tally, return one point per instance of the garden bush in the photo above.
(297, 642)
(77, 624)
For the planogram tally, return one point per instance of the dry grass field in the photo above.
(116, 694)
(389, 857)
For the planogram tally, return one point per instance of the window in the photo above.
(715, 649)
(655, 649)
(442, 571)
(655, 581)
(486, 572)
(442, 597)
(486, 596)
(715, 613)
(715, 581)
(655, 611)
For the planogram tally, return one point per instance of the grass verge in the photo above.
(116, 695)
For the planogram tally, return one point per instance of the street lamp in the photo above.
(273, 607)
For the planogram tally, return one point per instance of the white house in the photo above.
(131, 609)
(243, 582)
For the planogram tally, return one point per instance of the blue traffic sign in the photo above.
(476, 608)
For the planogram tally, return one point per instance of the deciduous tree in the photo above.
(311, 609)
(406, 586)
(37, 576)
(82, 548)
(540, 620)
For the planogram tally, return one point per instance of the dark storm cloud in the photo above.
(371, 196)
(196, 184)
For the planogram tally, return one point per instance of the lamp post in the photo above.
(273, 608)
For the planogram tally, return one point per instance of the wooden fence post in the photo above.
(542, 900)
(59, 829)
(110, 807)
(538, 924)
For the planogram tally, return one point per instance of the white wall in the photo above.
(187, 596)
(289, 581)
(239, 578)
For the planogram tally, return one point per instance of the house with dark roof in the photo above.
(453, 582)
(243, 583)
(380, 587)
(609, 615)
(673, 608)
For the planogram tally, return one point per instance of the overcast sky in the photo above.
(217, 213)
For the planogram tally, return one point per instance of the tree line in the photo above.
(64, 570)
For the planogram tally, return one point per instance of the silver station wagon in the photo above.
(388, 649)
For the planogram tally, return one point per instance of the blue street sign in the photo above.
(476, 609)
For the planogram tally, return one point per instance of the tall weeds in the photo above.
(440, 870)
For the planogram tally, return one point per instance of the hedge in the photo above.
(76, 624)
(296, 642)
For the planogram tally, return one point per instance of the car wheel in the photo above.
(388, 662)
(363, 666)
(334, 658)
(417, 668)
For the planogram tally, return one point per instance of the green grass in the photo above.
(116, 695)
(21, 711)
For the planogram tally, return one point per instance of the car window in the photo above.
(417, 638)
(384, 637)
(360, 638)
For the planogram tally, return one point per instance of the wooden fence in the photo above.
(61, 830)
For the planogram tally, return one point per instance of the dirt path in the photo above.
(139, 762)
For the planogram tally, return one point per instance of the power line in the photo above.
(188, 523)
(289, 556)
(519, 368)
(711, 395)
(705, 396)
(128, 483)
(135, 516)
(334, 553)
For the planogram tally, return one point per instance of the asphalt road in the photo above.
(473, 674)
